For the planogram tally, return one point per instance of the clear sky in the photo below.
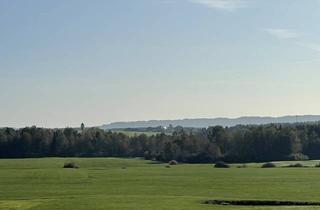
(63, 62)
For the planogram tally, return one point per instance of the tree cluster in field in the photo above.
(235, 144)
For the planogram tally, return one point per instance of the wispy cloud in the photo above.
(311, 46)
(228, 5)
(281, 33)
(295, 38)
(317, 59)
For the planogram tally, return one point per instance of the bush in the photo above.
(221, 164)
(318, 165)
(173, 162)
(296, 165)
(298, 157)
(268, 165)
(242, 166)
(147, 155)
(70, 165)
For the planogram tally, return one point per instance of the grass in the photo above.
(134, 184)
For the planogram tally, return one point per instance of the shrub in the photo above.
(298, 156)
(147, 155)
(70, 165)
(242, 166)
(318, 165)
(296, 165)
(268, 165)
(168, 166)
(221, 164)
(173, 162)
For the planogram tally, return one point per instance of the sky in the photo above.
(65, 62)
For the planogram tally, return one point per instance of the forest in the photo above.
(255, 143)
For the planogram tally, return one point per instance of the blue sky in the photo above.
(98, 61)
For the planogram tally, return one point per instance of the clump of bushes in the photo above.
(242, 166)
(221, 164)
(147, 155)
(318, 165)
(71, 165)
(296, 165)
(173, 162)
(268, 165)
(298, 157)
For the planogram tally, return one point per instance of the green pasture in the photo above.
(134, 184)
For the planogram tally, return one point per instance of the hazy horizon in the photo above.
(300, 117)
(67, 62)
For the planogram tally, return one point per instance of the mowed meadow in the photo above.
(135, 184)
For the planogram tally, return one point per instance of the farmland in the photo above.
(111, 183)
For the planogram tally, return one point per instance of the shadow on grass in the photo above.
(260, 203)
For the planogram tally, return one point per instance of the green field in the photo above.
(133, 184)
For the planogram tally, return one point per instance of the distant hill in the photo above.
(205, 122)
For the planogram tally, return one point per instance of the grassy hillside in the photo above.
(133, 184)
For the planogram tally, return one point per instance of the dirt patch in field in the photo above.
(260, 203)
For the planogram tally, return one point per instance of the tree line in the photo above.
(230, 144)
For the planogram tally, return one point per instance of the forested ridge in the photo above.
(233, 144)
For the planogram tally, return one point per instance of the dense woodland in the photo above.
(234, 144)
